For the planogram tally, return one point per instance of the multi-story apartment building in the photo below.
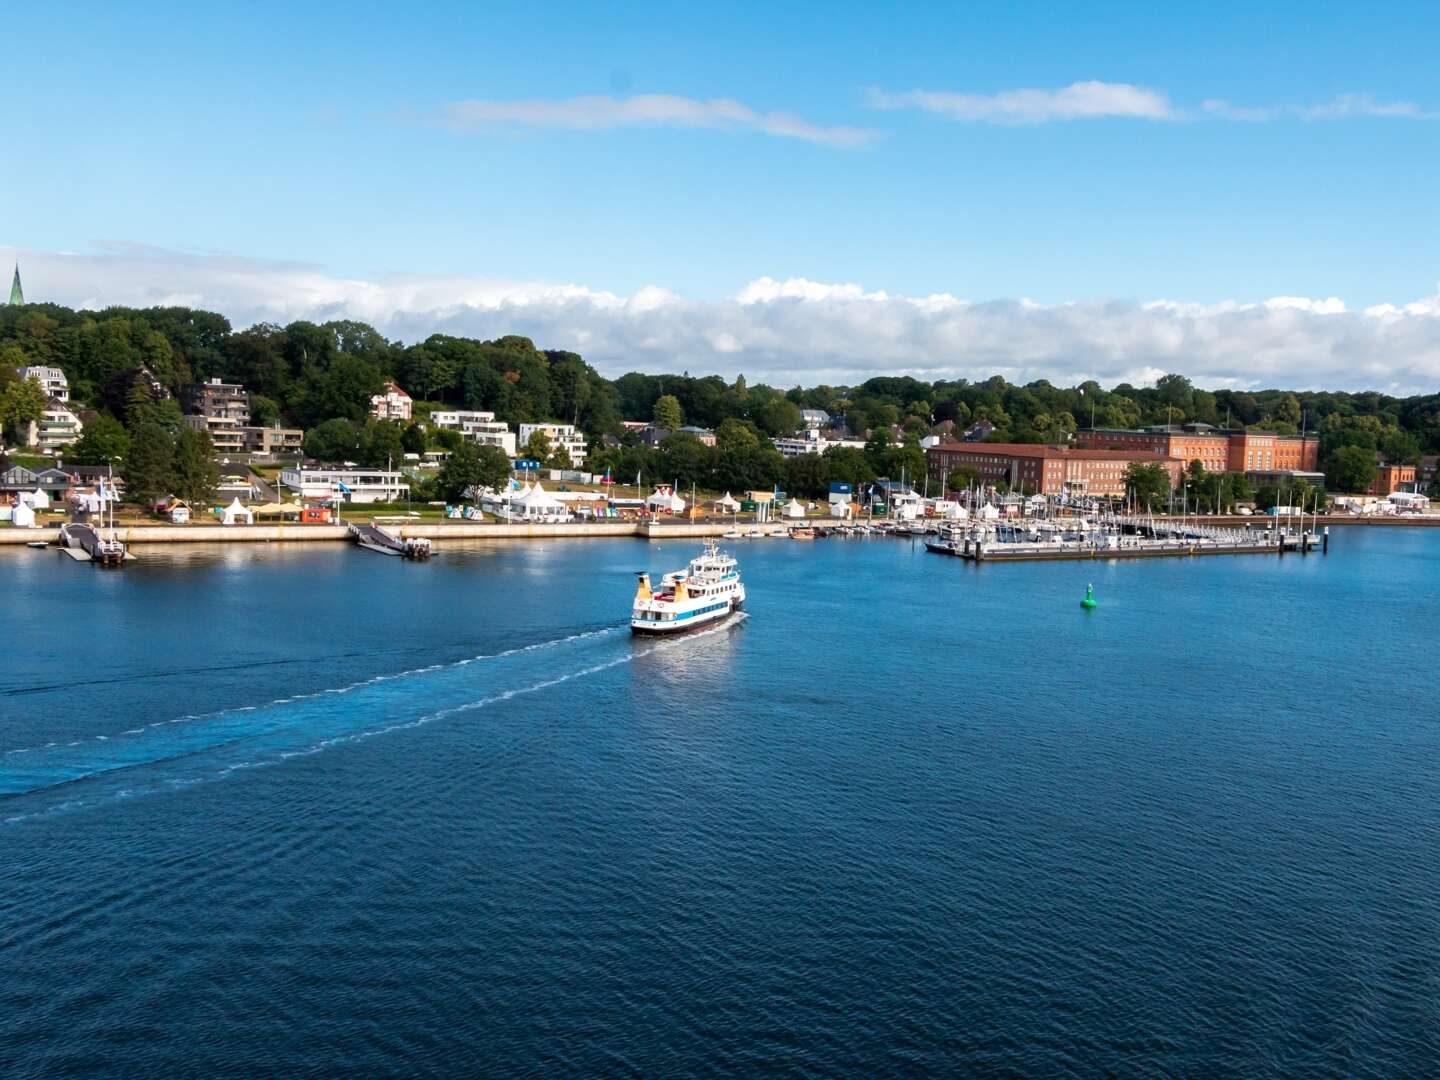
(59, 426)
(477, 427)
(392, 404)
(51, 378)
(222, 409)
(1218, 449)
(272, 440)
(559, 435)
(1046, 470)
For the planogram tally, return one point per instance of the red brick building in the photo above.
(1390, 478)
(1218, 450)
(1046, 470)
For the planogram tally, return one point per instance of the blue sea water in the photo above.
(309, 811)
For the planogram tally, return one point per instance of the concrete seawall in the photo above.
(140, 535)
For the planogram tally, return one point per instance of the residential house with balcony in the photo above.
(222, 409)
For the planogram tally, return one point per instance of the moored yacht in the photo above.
(707, 590)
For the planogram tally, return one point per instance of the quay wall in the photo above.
(141, 535)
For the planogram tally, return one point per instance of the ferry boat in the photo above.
(707, 590)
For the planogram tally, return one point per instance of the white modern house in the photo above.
(347, 484)
(51, 378)
(477, 427)
(559, 435)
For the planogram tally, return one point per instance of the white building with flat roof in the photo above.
(477, 427)
(559, 435)
(51, 378)
(347, 484)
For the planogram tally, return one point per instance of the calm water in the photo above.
(314, 812)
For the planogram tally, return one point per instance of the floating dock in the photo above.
(83, 543)
(375, 538)
(1120, 538)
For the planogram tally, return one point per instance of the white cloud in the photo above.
(601, 113)
(797, 330)
(1343, 107)
(1087, 100)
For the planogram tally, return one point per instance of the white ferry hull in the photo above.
(683, 625)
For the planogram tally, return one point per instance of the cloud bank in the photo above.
(796, 330)
(600, 113)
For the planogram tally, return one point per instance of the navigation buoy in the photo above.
(1089, 600)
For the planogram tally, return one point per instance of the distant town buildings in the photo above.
(650, 435)
(559, 435)
(1046, 470)
(222, 409)
(392, 404)
(476, 427)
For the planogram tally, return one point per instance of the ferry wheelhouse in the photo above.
(704, 592)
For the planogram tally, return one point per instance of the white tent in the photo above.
(536, 504)
(727, 505)
(237, 514)
(794, 509)
(22, 517)
(988, 512)
(36, 499)
(665, 501)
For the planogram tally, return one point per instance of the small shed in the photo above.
(22, 517)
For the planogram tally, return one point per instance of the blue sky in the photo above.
(337, 135)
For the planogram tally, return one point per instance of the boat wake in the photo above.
(181, 751)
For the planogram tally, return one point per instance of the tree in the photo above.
(470, 466)
(493, 466)
(805, 475)
(536, 447)
(667, 412)
(780, 417)
(196, 476)
(1147, 482)
(150, 464)
(334, 440)
(104, 440)
(413, 440)
(264, 411)
(559, 458)
(22, 403)
(1350, 469)
(962, 478)
(733, 434)
(380, 443)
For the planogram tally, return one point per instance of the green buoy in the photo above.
(1089, 600)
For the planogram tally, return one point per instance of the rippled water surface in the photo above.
(312, 811)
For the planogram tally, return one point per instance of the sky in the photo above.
(802, 192)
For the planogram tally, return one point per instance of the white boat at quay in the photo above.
(706, 591)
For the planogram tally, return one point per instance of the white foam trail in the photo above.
(358, 736)
(517, 650)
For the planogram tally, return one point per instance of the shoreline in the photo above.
(141, 535)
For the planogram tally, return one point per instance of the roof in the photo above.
(1041, 450)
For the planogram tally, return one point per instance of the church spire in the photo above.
(17, 294)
